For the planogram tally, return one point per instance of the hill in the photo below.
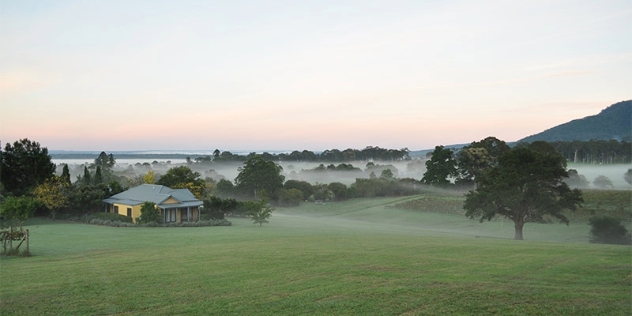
(614, 122)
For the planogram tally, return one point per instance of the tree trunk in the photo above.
(518, 226)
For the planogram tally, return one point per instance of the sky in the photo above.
(295, 75)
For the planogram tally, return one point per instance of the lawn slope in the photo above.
(354, 258)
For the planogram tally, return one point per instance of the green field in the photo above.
(361, 257)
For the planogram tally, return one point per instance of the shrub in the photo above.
(340, 191)
(608, 230)
(216, 207)
(206, 223)
(149, 213)
(107, 216)
(290, 197)
(603, 182)
(305, 187)
(212, 222)
(18, 208)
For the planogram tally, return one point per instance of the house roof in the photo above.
(158, 194)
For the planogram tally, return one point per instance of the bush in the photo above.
(149, 213)
(213, 222)
(603, 182)
(608, 230)
(107, 216)
(216, 207)
(291, 197)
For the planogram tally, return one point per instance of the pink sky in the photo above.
(245, 75)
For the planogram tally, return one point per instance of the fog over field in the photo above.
(293, 170)
(613, 171)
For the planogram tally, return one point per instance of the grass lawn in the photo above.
(359, 257)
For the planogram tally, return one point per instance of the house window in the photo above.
(129, 212)
(170, 215)
(115, 209)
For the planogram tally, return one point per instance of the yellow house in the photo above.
(175, 205)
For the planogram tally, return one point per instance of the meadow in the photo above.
(359, 257)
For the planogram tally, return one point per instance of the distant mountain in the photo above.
(614, 122)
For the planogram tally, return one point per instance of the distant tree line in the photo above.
(260, 178)
(369, 153)
(595, 151)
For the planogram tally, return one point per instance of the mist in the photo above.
(614, 172)
(305, 171)
(292, 170)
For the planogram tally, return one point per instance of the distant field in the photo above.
(361, 257)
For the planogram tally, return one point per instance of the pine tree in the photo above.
(65, 175)
(86, 176)
(98, 177)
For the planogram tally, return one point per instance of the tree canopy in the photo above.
(440, 167)
(183, 177)
(476, 158)
(53, 193)
(259, 174)
(18, 208)
(24, 165)
(104, 161)
(525, 186)
(65, 175)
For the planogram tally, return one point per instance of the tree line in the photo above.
(329, 155)
(595, 151)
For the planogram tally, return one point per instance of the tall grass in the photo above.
(616, 203)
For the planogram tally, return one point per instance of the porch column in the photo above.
(188, 213)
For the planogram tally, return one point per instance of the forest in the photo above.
(595, 151)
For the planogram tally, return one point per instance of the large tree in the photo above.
(178, 175)
(23, 165)
(472, 162)
(53, 193)
(65, 175)
(494, 147)
(184, 178)
(477, 157)
(440, 167)
(105, 161)
(259, 174)
(87, 178)
(525, 186)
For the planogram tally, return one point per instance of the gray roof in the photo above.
(156, 194)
